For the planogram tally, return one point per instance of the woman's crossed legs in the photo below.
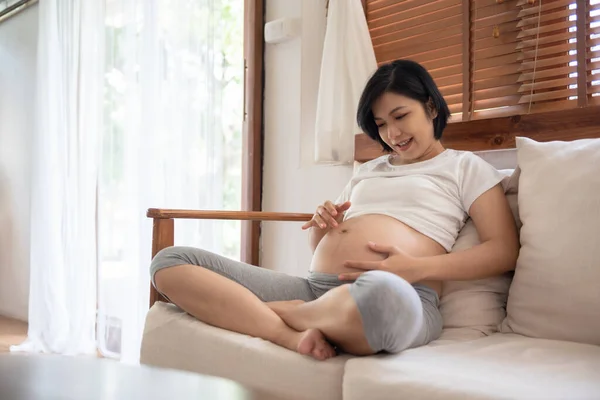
(377, 312)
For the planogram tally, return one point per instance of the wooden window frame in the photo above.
(252, 135)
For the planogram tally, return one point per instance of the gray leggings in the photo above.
(396, 315)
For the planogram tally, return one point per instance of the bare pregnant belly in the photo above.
(349, 241)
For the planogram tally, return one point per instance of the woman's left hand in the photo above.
(397, 262)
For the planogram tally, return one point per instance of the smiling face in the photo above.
(407, 127)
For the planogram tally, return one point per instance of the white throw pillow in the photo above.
(555, 293)
(479, 304)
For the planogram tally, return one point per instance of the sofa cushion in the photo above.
(174, 339)
(479, 304)
(555, 290)
(500, 366)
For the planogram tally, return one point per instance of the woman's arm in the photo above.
(497, 252)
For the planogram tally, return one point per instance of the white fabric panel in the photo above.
(66, 143)
(348, 62)
(174, 339)
(501, 366)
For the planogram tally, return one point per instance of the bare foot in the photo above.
(282, 306)
(313, 344)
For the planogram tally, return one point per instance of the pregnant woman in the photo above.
(380, 251)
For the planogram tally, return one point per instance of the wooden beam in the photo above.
(500, 133)
(252, 141)
(227, 215)
(163, 236)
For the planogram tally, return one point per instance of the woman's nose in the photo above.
(393, 132)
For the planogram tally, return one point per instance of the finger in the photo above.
(307, 225)
(330, 208)
(349, 276)
(329, 220)
(366, 265)
(343, 207)
(380, 248)
(319, 222)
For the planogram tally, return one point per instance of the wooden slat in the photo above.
(496, 71)
(501, 60)
(497, 19)
(490, 41)
(531, 43)
(546, 96)
(450, 80)
(503, 80)
(478, 33)
(403, 13)
(544, 18)
(547, 62)
(226, 215)
(377, 7)
(415, 31)
(451, 90)
(424, 57)
(500, 133)
(453, 99)
(496, 102)
(446, 38)
(549, 84)
(547, 73)
(495, 51)
(545, 29)
(394, 24)
(440, 65)
(546, 6)
(490, 16)
(549, 51)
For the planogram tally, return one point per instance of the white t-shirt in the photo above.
(432, 196)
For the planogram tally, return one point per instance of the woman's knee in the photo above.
(391, 310)
(170, 257)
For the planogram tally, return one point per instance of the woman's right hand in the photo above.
(328, 215)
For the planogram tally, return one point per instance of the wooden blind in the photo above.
(494, 58)
(429, 32)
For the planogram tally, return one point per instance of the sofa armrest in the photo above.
(163, 230)
(231, 215)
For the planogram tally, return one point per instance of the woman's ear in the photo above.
(431, 110)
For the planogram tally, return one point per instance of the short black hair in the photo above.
(407, 78)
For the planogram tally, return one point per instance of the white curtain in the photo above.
(348, 62)
(63, 255)
(172, 139)
(140, 106)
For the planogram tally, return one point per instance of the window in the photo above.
(173, 115)
(495, 58)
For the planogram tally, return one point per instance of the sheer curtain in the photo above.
(172, 138)
(140, 105)
(62, 301)
(348, 62)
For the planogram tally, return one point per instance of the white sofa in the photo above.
(532, 336)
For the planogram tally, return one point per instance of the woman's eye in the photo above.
(379, 126)
(401, 116)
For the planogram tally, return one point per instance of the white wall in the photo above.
(18, 45)
(291, 183)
